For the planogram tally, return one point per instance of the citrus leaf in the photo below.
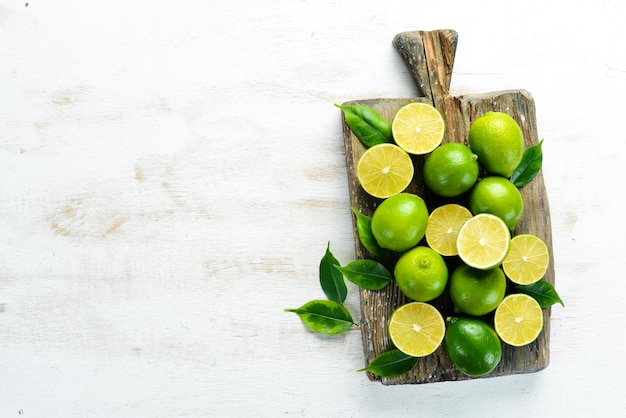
(364, 230)
(543, 292)
(529, 166)
(367, 274)
(367, 125)
(331, 279)
(391, 363)
(324, 316)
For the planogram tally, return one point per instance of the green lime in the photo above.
(421, 274)
(399, 222)
(497, 196)
(498, 141)
(451, 169)
(472, 345)
(476, 292)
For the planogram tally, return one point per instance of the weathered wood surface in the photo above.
(429, 57)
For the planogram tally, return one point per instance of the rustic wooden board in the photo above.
(429, 57)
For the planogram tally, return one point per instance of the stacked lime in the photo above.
(464, 243)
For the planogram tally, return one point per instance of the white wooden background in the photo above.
(173, 170)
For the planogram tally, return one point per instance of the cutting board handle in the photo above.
(429, 56)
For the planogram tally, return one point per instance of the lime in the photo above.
(451, 169)
(399, 222)
(483, 241)
(384, 170)
(472, 346)
(498, 196)
(416, 329)
(476, 292)
(443, 227)
(518, 319)
(418, 128)
(527, 260)
(498, 141)
(421, 274)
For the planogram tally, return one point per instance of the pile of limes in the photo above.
(465, 245)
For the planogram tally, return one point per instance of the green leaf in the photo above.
(367, 125)
(529, 166)
(543, 292)
(391, 363)
(324, 316)
(367, 274)
(331, 279)
(364, 230)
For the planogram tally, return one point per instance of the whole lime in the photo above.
(498, 141)
(421, 274)
(399, 222)
(497, 196)
(472, 345)
(476, 292)
(451, 169)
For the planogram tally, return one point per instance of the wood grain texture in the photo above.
(429, 57)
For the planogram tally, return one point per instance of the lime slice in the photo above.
(417, 329)
(418, 128)
(444, 224)
(527, 260)
(518, 319)
(483, 241)
(384, 170)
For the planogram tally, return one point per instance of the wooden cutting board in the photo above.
(429, 57)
